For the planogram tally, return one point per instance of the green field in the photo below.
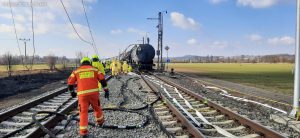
(21, 67)
(274, 77)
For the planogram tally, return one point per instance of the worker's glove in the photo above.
(106, 94)
(73, 94)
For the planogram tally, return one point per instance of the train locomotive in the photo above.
(140, 56)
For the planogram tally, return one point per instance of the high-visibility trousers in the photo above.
(114, 72)
(125, 71)
(84, 102)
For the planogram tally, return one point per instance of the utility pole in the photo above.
(25, 40)
(297, 65)
(159, 51)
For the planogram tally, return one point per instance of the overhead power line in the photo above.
(73, 24)
(17, 39)
(33, 39)
(15, 31)
(88, 23)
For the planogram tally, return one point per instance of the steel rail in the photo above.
(258, 128)
(56, 119)
(185, 122)
(12, 112)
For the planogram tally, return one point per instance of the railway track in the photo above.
(172, 122)
(17, 122)
(207, 118)
(279, 103)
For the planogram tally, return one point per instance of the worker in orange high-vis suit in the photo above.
(87, 78)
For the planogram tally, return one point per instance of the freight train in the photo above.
(140, 56)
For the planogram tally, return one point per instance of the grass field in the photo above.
(21, 67)
(274, 77)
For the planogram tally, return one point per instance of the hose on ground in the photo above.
(120, 108)
(30, 124)
(73, 117)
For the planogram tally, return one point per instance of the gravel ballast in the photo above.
(121, 94)
(252, 111)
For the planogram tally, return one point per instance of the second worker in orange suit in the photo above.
(87, 78)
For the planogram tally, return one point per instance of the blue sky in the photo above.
(191, 27)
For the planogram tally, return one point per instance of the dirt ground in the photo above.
(20, 88)
(20, 97)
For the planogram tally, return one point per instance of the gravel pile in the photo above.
(252, 111)
(122, 89)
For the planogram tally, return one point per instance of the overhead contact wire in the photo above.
(15, 31)
(88, 23)
(33, 38)
(73, 25)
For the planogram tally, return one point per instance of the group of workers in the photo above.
(117, 67)
(90, 79)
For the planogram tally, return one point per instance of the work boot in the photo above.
(87, 136)
(100, 123)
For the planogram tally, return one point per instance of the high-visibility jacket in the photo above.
(125, 67)
(119, 66)
(129, 68)
(107, 65)
(87, 78)
(114, 68)
(98, 65)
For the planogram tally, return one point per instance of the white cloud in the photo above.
(42, 28)
(50, 19)
(18, 17)
(81, 29)
(45, 18)
(139, 32)
(285, 40)
(258, 3)
(255, 37)
(116, 31)
(179, 20)
(72, 6)
(217, 1)
(220, 44)
(4, 28)
(192, 41)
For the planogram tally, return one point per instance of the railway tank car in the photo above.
(140, 56)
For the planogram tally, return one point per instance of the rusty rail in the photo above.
(56, 119)
(258, 128)
(187, 124)
(12, 112)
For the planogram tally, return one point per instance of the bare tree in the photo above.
(51, 61)
(8, 61)
(64, 61)
(79, 56)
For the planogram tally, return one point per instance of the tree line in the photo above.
(9, 61)
(280, 58)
